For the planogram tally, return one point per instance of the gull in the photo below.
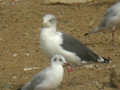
(110, 21)
(53, 42)
(50, 77)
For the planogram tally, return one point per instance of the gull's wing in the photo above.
(73, 45)
(39, 78)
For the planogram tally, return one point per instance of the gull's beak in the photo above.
(44, 24)
(66, 64)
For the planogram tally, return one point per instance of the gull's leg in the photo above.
(113, 38)
(113, 35)
(69, 70)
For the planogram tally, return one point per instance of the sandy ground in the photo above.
(20, 45)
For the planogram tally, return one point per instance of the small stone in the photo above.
(1, 39)
(15, 54)
(89, 66)
(111, 67)
(30, 68)
(27, 54)
(14, 77)
(91, 23)
(27, 69)
(35, 67)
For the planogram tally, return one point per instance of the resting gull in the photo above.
(48, 78)
(110, 22)
(53, 42)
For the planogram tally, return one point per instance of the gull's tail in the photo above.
(104, 60)
(93, 31)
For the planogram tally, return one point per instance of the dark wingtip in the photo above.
(86, 34)
(107, 60)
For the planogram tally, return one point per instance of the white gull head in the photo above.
(49, 20)
(58, 60)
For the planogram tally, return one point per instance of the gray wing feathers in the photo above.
(36, 80)
(74, 45)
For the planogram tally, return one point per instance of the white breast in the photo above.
(54, 77)
(50, 42)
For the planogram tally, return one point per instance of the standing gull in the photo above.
(48, 78)
(53, 42)
(110, 21)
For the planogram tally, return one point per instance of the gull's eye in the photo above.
(50, 20)
(55, 59)
(60, 60)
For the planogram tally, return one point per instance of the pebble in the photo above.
(27, 54)
(14, 77)
(89, 66)
(30, 68)
(15, 54)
